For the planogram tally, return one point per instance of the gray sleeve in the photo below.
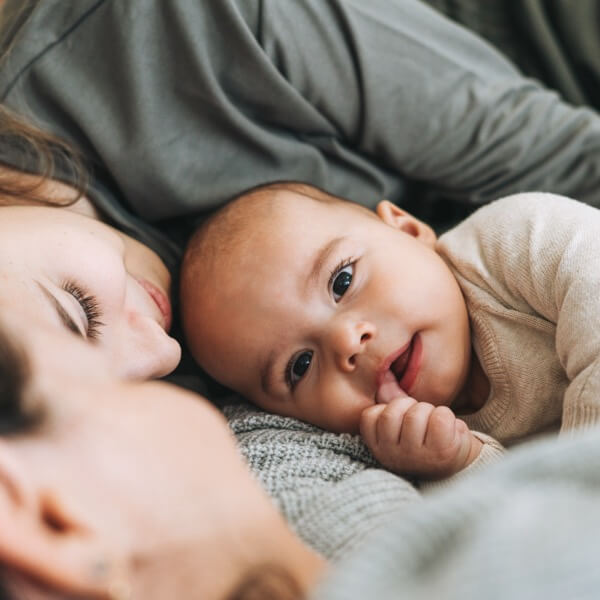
(430, 100)
(181, 105)
(527, 527)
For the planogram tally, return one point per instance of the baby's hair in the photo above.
(224, 227)
(228, 228)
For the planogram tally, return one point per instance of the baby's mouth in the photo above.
(390, 386)
(398, 367)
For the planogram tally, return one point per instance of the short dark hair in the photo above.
(4, 593)
(15, 417)
(267, 582)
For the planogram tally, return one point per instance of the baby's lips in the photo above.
(389, 389)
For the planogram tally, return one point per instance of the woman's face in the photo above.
(124, 484)
(78, 274)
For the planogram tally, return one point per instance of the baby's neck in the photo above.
(476, 390)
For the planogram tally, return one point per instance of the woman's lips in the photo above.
(399, 371)
(161, 300)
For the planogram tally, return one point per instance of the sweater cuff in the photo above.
(491, 452)
(579, 417)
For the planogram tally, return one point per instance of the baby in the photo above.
(363, 322)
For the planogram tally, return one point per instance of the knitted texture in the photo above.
(528, 268)
(328, 486)
(525, 528)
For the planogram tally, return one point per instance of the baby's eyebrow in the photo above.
(321, 257)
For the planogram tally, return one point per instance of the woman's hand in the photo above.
(417, 438)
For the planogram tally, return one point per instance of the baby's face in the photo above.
(330, 308)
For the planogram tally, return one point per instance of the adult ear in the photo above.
(398, 218)
(43, 539)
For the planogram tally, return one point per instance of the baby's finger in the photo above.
(441, 429)
(368, 423)
(390, 422)
(414, 425)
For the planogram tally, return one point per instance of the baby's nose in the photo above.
(350, 339)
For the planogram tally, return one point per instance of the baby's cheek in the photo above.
(347, 416)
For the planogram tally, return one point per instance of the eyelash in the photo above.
(288, 372)
(346, 262)
(90, 306)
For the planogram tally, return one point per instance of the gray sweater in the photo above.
(328, 486)
(179, 105)
(526, 528)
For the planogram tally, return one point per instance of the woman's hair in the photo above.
(37, 152)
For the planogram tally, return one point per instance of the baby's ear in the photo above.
(398, 218)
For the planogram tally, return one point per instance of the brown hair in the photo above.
(42, 155)
(267, 582)
(226, 226)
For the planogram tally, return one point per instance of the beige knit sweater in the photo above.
(529, 267)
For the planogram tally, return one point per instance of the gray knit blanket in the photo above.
(525, 528)
(328, 486)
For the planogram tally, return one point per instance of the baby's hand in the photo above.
(417, 438)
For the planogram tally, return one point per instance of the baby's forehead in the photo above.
(264, 221)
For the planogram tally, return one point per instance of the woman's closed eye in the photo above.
(90, 307)
(341, 279)
(297, 366)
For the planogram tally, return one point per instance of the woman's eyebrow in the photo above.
(63, 315)
(321, 257)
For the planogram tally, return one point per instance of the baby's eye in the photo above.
(341, 280)
(297, 367)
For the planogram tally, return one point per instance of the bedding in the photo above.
(527, 527)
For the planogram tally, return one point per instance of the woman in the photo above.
(71, 269)
(107, 489)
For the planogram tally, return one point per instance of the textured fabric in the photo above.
(554, 41)
(526, 528)
(328, 486)
(528, 266)
(181, 105)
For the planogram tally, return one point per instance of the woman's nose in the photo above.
(143, 350)
(349, 339)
